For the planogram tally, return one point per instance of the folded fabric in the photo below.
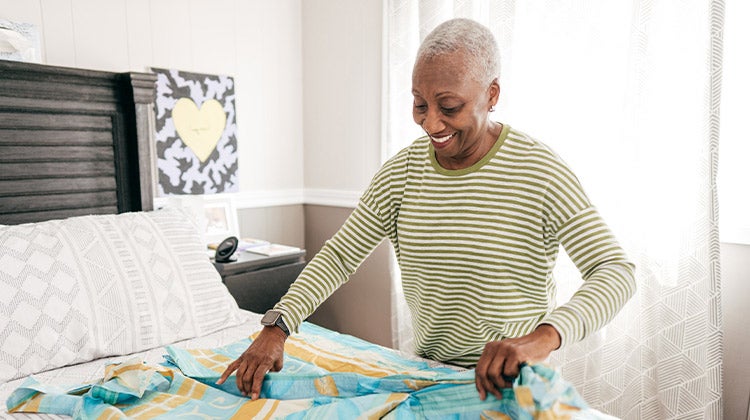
(325, 375)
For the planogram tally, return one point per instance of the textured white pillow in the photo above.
(77, 289)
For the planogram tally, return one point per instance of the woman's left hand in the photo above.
(500, 361)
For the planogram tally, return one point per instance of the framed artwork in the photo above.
(220, 219)
(196, 133)
(19, 41)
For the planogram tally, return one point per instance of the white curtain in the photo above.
(628, 94)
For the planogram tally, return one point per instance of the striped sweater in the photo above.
(476, 248)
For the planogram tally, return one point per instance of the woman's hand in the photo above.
(266, 353)
(499, 364)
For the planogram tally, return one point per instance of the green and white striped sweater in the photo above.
(476, 248)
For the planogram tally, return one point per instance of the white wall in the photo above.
(735, 283)
(342, 78)
(258, 42)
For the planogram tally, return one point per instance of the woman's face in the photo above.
(452, 108)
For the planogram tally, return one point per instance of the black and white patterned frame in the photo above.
(180, 170)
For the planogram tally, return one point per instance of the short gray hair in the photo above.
(470, 37)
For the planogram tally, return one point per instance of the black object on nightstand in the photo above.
(225, 250)
(258, 281)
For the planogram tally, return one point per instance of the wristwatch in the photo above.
(273, 317)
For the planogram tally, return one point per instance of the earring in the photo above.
(492, 108)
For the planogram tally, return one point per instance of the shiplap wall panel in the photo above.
(140, 49)
(214, 24)
(21, 11)
(171, 26)
(58, 41)
(97, 23)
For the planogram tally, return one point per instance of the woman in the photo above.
(475, 211)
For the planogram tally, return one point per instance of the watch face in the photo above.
(270, 318)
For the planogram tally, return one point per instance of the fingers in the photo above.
(495, 376)
(511, 369)
(266, 353)
(278, 365)
(257, 383)
(487, 371)
(496, 369)
(250, 376)
(227, 372)
(244, 377)
(480, 374)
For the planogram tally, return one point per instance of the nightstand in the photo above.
(257, 281)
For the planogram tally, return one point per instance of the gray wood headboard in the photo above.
(73, 142)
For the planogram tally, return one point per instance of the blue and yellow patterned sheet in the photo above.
(326, 375)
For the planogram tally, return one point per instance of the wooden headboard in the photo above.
(73, 142)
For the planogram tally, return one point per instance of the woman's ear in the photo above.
(494, 92)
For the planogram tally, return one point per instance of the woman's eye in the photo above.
(452, 110)
(420, 107)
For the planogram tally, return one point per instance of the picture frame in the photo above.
(196, 135)
(20, 40)
(220, 216)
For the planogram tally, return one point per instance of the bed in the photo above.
(110, 308)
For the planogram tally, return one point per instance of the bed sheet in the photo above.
(327, 375)
(93, 370)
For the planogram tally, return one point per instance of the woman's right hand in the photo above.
(265, 353)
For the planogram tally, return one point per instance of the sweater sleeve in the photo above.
(339, 257)
(608, 276)
(371, 221)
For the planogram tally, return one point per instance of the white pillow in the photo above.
(77, 289)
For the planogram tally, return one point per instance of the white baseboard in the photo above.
(336, 198)
(270, 198)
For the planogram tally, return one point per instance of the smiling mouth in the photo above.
(442, 139)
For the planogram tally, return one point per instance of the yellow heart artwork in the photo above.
(200, 129)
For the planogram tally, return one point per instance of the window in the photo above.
(734, 145)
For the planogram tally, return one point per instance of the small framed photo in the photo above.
(220, 218)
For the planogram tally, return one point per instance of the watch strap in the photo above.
(275, 318)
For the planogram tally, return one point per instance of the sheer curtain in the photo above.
(628, 94)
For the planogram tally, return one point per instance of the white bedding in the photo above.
(85, 290)
(89, 287)
(90, 371)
